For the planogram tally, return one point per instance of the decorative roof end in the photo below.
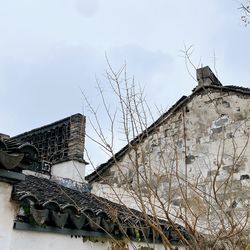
(206, 77)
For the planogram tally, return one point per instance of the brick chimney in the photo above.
(206, 77)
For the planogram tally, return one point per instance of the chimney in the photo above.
(206, 77)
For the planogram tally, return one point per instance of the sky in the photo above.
(51, 50)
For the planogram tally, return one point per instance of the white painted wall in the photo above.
(7, 211)
(73, 170)
(28, 240)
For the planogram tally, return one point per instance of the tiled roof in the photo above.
(48, 203)
(16, 155)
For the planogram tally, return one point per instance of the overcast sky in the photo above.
(50, 49)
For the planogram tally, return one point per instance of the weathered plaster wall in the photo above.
(206, 137)
(7, 216)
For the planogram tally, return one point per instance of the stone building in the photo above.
(195, 159)
(45, 203)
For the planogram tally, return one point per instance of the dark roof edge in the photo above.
(76, 232)
(183, 100)
(11, 176)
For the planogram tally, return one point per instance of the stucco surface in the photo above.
(206, 140)
(7, 216)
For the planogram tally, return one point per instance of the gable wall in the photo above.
(209, 133)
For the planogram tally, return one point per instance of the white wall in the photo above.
(217, 126)
(28, 240)
(7, 211)
(71, 169)
(206, 140)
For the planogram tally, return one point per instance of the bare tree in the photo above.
(152, 172)
(245, 12)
